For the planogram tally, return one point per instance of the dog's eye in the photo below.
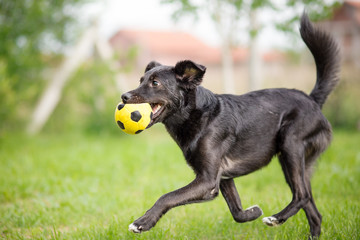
(155, 83)
(141, 80)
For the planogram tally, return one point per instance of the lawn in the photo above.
(74, 186)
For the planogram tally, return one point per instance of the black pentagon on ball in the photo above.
(135, 116)
(121, 125)
(138, 131)
(120, 106)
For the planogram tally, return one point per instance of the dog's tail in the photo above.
(327, 59)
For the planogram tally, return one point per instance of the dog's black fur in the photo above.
(226, 136)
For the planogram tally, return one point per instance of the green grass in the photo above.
(71, 186)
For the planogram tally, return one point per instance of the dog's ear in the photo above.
(151, 65)
(189, 74)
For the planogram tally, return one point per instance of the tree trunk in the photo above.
(52, 94)
(220, 20)
(254, 56)
(227, 66)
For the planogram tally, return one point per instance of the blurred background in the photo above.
(68, 172)
(65, 63)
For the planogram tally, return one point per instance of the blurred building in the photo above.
(345, 26)
(168, 47)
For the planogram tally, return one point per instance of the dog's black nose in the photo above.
(125, 97)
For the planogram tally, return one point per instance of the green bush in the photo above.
(342, 108)
(32, 34)
(88, 101)
(17, 101)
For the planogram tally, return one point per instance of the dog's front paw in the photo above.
(142, 224)
(271, 221)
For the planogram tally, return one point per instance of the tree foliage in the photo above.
(317, 9)
(28, 27)
(32, 32)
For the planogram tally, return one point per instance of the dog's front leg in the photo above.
(228, 190)
(201, 189)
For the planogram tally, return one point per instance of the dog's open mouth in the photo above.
(157, 109)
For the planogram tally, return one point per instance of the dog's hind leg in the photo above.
(312, 214)
(315, 145)
(228, 190)
(292, 161)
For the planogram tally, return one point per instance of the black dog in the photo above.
(227, 136)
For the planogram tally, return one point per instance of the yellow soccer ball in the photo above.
(133, 118)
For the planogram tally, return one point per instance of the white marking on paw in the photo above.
(133, 228)
(254, 207)
(270, 221)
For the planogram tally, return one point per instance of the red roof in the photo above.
(170, 47)
(273, 56)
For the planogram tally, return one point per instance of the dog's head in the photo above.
(165, 87)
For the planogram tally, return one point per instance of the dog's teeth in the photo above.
(156, 108)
